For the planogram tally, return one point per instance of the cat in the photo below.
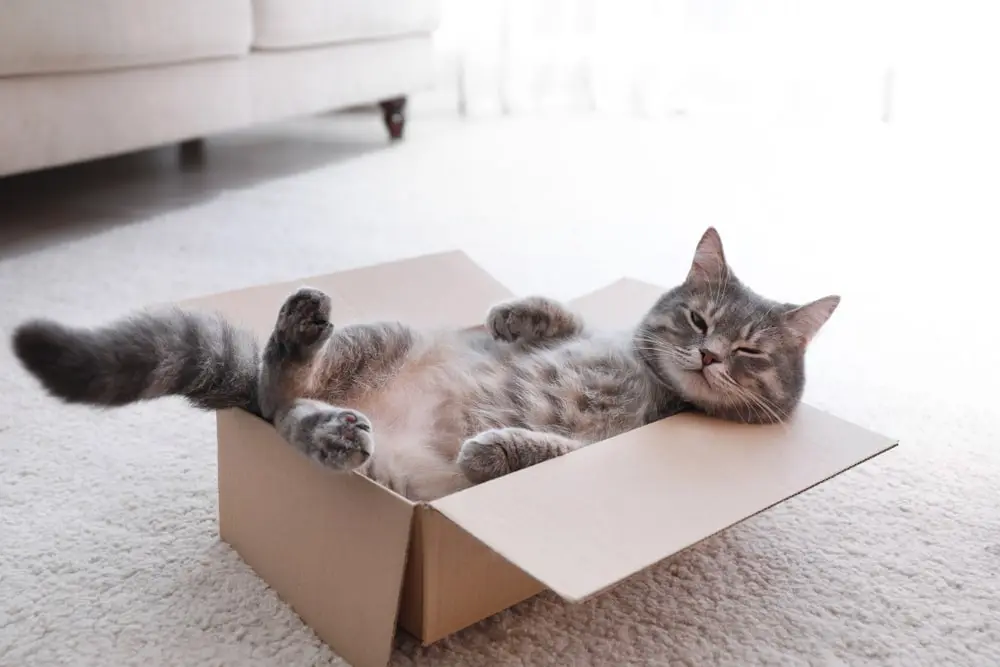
(453, 408)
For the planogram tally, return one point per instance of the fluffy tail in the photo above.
(174, 353)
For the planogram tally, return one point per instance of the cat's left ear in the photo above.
(709, 264)
(806, 321)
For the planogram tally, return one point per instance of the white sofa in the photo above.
(81, 79)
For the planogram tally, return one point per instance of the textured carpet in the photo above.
(109, 553)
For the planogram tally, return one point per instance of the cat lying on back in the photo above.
(454, 408)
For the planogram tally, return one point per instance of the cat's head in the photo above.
(725, 349)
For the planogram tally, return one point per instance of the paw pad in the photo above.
(343, 440)
(304, 319)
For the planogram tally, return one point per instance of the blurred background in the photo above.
(777, 60)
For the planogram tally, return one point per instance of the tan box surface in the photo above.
(354, 559)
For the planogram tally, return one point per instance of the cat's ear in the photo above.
(709, 263)
(806, 321)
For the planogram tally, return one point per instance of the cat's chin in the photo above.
(693, 386)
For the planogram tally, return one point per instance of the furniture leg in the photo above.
(394, 116)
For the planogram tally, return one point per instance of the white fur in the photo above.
(409, 457)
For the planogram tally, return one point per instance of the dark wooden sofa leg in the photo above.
(394, 115)
(191, 152)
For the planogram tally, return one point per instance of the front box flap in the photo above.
(585, 521)
(331, 546)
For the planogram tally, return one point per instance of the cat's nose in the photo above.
(708, 358)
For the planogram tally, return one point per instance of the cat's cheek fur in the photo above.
(691, 359)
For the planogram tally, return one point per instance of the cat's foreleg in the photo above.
(337, 438)
(501, 451)
(532, 319)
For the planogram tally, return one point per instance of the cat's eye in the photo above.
(749, 351)
(698, 321)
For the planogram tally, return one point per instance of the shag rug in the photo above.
(109, 551)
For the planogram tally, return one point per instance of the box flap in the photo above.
(442, 289)
(583, 522)
(331, 546)
(620, 305)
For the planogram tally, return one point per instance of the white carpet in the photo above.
(109, 553)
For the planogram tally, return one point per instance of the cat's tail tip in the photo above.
(54, 355)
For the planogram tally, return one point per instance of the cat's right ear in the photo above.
(805, 321)
(709, 265)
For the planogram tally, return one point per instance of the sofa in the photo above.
(83, 79)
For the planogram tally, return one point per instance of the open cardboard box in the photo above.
(354, 559)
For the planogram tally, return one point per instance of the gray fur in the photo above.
(148, 355)
(454, 408)
(337, 438)
(532, 319)
(501, 451)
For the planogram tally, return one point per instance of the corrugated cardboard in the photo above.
(354, 559)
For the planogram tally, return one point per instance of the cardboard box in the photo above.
(354, 559)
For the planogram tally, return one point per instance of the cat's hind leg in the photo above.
(305, 358)
(337, 438)
(302, 328)
(501, 451)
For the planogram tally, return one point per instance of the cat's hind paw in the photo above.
(304, 320)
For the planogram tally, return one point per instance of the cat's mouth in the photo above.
(711, 376)
(701, 375)
(705, 383)
(679, 371)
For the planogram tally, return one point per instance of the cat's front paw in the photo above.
(304, 319)
(533, 318)
(341, 439)
(484, 457)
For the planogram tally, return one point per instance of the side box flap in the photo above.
(585, 521)
(332, 546)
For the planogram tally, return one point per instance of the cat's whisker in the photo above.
(657, 342)
(752, 413)
(659, 347)
(769, 409)
(748, 397)
(760, 413)
(756, 400)
(647, 339)
(654, 348)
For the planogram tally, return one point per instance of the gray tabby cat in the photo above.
(454, 408)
